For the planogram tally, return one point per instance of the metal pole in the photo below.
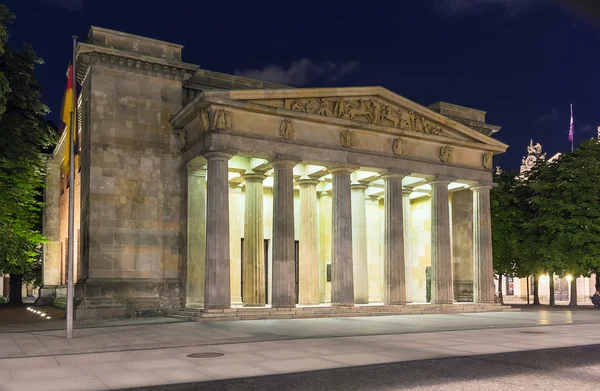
(71, 196)
(528, 290)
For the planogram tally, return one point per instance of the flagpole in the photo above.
(71, 233)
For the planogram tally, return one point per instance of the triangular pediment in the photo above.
(372, 106)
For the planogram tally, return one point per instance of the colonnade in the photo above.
(347, 233)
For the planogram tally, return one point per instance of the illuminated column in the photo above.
(254, 242)
(217, 294)
(359, 244)
(441, 252)
(394, 268)
(325, 209)
(196, 237)
(342, 282)
(308, 280)
(483, 278)
(407, 249)
(284, 263)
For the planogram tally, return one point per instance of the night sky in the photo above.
(522, 61)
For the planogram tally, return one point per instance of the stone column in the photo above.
(217, 294)
(374, 249)
(342, 281)
(253, 272)
(308, 290)
(284, 267)
(394, 290)
(196, 235)
(359, 244)
(441, 252)
(408, 262)
(325, 230)
(483, 273)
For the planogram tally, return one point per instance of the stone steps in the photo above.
(253, 313)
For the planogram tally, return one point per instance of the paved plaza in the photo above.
(134, 355)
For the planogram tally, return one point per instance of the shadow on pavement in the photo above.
(546, 368)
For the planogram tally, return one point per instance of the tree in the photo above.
(566, 201)
(511, 210)
(6, 17)
(23, 135)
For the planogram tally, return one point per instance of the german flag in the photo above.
(67, 110)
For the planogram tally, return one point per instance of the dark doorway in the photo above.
(266, 270)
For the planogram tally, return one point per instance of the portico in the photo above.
(333, 196)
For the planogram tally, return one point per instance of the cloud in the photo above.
(70, 5)
(587, 128)
(550, 116)
(301, 72)
(511, 7)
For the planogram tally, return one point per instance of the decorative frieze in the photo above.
(370, 110)
(286, 129)
(446, 153)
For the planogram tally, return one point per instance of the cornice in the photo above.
(90, 54)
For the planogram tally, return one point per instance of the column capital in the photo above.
(440, 181)
(284, 163)
(359, 186)
(394, 174)
(342, 169)
(254, 176)
(222, 155)
(483, 186)
(196, 171)
(325, 193)
(407, 190)
(307, 181)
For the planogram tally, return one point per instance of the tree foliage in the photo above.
(549, 222)
(24, 134)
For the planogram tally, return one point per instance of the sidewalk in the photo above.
(129, 356)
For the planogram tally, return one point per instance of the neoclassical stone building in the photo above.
(200, 189)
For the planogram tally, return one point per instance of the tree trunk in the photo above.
(500, 296)
(16, 283)
(573, 298)
(536, 290)
(551, 283)
(598, 280)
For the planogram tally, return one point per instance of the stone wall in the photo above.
(134, 195)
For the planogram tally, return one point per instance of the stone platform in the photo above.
(261, 313)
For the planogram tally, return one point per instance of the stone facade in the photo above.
(205, 190)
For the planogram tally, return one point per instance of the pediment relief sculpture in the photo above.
(348, 139)
(398, 146)
(286, 129)
(446, 153)
(370, 110)
(487, 160)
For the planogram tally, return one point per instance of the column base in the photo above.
(362, 302)
(396, 303)
(342, 305)
(217, 307)
(284, 306)
(442, 302)
(254, 305)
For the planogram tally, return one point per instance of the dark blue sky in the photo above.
(522, 61)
